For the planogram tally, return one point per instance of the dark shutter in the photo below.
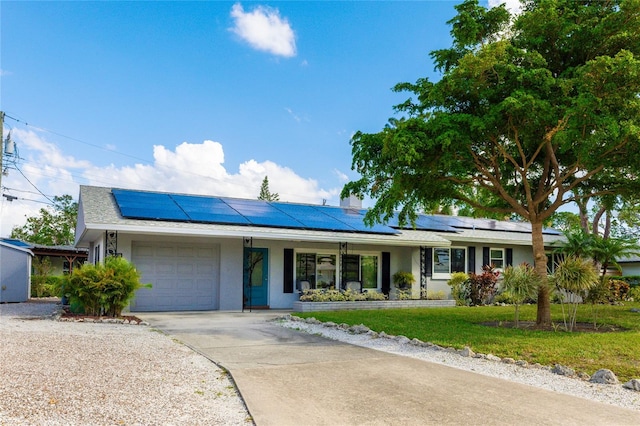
(509, 257)
(386, 272)
(288, 271)
(428, 260)
(485, 256)
(471, 259)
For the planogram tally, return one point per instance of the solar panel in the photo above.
(261, 213)
(355, 219)
(209, 210)
(432, 223)
(194, 208)
(423, 223)
(311, 217)
(148, 205)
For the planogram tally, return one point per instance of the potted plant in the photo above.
(403, 280)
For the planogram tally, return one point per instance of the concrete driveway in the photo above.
(292, 378)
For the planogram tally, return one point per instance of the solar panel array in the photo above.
(233, 211)
(443, 223)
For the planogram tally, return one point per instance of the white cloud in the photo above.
(513, 6)
(341, 176)
(192, 168)
(264, 29)
(199, 169)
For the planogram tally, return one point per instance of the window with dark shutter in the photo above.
(471, 259)
(288, 271)
(386, 272)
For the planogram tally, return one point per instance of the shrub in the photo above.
(404, 295)
(323, 295)
(598, 294)
(634, 294)
(503, 296)
(618, 290)
(521, 282)
(632, 280)
(403, 280)
(374, 295)
(432, 295)
(103, 289)
(480, 288)
(574, 277)
(39, 287)
(457, 284)
(45, 286)
(42, 271)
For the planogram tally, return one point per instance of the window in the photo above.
(321, 270)
(496, 258)
(326, 271)
(369, 272)
(449, 260)
(306, 268)
(363, 268)
(553, 260)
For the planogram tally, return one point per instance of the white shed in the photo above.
(15, 272)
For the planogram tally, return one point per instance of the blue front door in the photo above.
(256, 277)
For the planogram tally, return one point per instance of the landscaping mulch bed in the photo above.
(70, 316)
(580, 327)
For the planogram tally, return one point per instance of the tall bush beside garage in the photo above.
(103, 289)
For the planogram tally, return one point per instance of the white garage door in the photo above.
(184, 277)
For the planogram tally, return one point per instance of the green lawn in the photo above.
(461, 326)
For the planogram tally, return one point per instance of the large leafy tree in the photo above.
(537, 111)
(54, 225)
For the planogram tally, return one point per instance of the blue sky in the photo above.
(202, 97)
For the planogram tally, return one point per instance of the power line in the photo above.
(4, 188)
(37, 189)
(42, 129)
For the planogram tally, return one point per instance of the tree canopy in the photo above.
(532, 112)
(54, 225)
(265, 194)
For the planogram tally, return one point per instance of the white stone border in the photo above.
(345, 332)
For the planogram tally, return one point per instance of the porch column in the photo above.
(416, 270)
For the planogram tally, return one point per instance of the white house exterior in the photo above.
(213, 253)
(15, 272)
(630, 265)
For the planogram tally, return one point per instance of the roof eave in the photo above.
(265, 233)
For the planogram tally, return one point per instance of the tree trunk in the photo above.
(540, 264)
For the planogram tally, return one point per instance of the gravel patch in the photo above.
(66, 373)
(507, 369)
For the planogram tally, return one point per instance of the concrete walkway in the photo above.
(293, 378)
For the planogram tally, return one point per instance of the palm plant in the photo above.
(577, 243)
(522, 283)
(607, 251)
(574, 277)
